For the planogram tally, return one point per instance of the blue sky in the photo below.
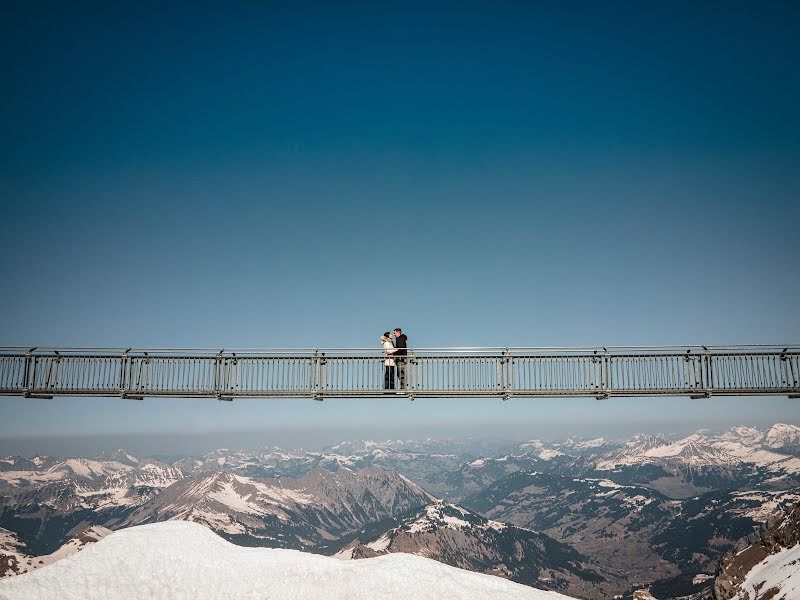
(299, 174)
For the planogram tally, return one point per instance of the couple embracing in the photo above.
(395, 350)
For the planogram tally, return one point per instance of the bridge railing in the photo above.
(431, 372)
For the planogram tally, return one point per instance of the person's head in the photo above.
(386, 337)
(397, 331)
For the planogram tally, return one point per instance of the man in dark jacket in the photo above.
(401, 343)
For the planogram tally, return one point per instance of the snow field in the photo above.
(178, 560)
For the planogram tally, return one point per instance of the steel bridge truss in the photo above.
(696, 371)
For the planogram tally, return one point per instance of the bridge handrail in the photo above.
(377, 351)
(698, 371)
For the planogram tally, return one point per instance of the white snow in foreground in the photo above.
(178, 560)
(781, 571)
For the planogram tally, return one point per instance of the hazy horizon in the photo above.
(192, 444)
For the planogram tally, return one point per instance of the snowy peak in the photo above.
(459, 537)
(540, 450)
(441, 515)
(744, 435)
(782, 435)
(121, 456)
(148, 476)
(304, 512)
(644, 442)
(85, 468)
(337, 487)
(693, 450)
(431, 519)
(219, 491)
(578, 445)
(736, 448)
(19, 463)
(360, 446)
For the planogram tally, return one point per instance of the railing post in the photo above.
(34, 367)
(411, 375)
(221, 377)
(126, 378)
(709, 373)
(694, 366)
(57, 378)
(792, 374)
(499, 374)
(697, 370)
(791, 380)
(312, 373)
(31, 362)
(27, 375)
(687, 376)
(316, 371)
(233, 374)
(784, 368)
(218, 374)
(508, 381)
(605, 376)
(123, 367)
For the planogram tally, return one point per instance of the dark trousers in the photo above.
(388, 377)
(401, 371)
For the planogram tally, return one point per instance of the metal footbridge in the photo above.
(225, 374)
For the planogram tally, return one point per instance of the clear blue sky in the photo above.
(311, 174)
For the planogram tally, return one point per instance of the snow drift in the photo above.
(180, 560)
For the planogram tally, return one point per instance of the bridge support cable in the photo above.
(225, 374)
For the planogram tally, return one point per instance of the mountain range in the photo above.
(587, 517)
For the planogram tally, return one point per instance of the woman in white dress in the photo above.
(388, 363)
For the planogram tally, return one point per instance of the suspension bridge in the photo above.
(225, 374)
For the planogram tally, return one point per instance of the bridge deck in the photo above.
(697, 371)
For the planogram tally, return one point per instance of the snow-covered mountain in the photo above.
(456, 536)
(185, 561)
(782, 436)
(576, 446)
(416, 460)
(742, 457)
(21, 473)
(739, 445)
(20, 463)
(307, 512)
(679, 467)
(48, 506)
(310, 511)
(767, 568)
